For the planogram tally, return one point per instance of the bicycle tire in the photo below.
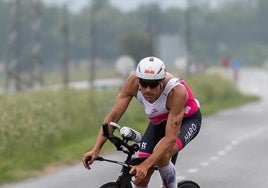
(187, 184)
(110, 185)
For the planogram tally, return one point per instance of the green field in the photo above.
(42, 130)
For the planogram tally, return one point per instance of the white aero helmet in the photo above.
(151, 68)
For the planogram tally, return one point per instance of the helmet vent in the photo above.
(151, 59)
(159, 70)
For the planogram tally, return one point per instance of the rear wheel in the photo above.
(110, 185)
(187, 184)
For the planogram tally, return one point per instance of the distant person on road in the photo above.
(174, 115)
(236, 66)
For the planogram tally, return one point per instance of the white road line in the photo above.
(192, 170)
(204, 164)
(227, 148)
(221, 152)
(213, 158)
(179, 178)
(235, 142)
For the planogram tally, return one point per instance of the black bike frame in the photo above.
(124, 179)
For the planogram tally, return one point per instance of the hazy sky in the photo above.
(122, 4)
(128, 4)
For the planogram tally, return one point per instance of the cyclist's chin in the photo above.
(149, 98)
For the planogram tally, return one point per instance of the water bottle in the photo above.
(131, 134)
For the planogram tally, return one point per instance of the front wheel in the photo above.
(110, 185)
(187, 184)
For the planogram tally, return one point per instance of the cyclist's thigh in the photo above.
(190, 128)
(151, 137)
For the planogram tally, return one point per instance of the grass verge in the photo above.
(40, 130)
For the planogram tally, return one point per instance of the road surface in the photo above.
(230, 151)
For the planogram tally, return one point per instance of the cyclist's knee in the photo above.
(142, 184)
(145, 180)
(163, 161)
(166, 158)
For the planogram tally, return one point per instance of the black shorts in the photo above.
(189, 129)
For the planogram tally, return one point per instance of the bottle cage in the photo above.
(120, 144)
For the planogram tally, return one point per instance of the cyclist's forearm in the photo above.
(163, 147)
(100, 141)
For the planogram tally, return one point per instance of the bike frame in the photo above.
(124, 179)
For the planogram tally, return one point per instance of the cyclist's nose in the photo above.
(148, 88)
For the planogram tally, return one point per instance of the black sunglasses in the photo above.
(149, 83)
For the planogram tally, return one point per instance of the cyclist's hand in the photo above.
(88, 158)
(140, 173)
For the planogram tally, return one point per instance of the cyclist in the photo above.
(174, 115)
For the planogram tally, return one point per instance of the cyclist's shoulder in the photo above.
(132, 77)
(132, 81)
(176, 89)
(131, 85)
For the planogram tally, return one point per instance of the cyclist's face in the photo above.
(151, 90)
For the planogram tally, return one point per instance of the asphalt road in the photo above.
(230, 150)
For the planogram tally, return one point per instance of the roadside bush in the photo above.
(45, 128)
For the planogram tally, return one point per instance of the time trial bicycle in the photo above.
(122, 144)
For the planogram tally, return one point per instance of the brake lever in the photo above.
(105, 130)
(88, 158)
(115, 125)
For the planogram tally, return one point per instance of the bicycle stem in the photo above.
(113, 161)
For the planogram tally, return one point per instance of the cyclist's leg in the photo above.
(189, 129)
(174, 158)
(150, 138)
(135, 186)
(168, 175)
(165, 166)
(145, 182)
(148, 142)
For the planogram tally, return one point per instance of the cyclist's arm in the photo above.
(175, 102)
(121, 103)
(128, 91)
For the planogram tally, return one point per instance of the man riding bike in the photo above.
(174, 115)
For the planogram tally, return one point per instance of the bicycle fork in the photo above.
(124, 180)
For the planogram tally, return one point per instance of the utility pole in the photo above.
(188, 38)
(153, 18)
(37, 65)
(92, 45)
(13, 67)
(65, 60)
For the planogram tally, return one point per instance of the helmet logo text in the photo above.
(149, 71)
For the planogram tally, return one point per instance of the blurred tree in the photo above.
(137, 45)
(234, 29)
(4, 12)
(52, 37)
(100, 3)
(262, 15)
